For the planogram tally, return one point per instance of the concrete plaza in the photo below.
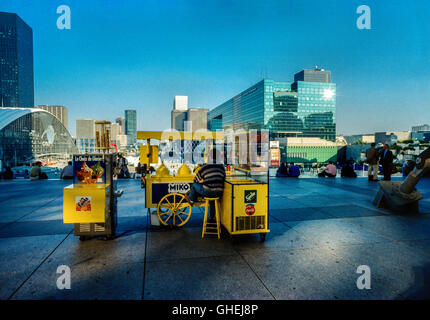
(321, 231)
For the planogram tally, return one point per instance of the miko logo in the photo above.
(178, 187)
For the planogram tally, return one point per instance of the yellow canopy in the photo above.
(180, 135)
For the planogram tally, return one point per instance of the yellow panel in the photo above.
(226, 207)
(144, 159)
(85, 203)
(260, 205)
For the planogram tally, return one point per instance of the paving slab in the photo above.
(421, 247)
(299, 214)
(35, 228)
(184, 243)
(20, 257)
(89, 281)
(334, 231)
(99, 270)
(280, 237)
(395, 266)
(311, 274)
(214, 278)
(351, 210)
(393, 227)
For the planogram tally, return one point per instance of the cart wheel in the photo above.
(173, 210)
(262, 237)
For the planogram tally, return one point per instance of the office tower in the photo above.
(130, 125)
(313, 75)
(304, 108)
(16, 62)
(58, 111)
(121, 122)
(180, 103)
(188, 119)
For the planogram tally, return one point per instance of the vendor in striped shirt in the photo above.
(209, 181)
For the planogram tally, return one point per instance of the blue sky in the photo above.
(139, 54)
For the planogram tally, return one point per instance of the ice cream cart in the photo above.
(244, 205)
(90, 202)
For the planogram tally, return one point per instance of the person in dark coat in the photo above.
(386, 162)
(372, 159)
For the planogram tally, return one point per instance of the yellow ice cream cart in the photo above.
(244, 205)
(90, 202)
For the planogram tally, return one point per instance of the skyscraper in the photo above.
(131, 125)
(16, 62)
(304, 108)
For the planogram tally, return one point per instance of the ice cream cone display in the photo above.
(184, 170)
(162, 171)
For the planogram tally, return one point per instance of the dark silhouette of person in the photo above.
(348, 171)
(282, 170)
(386, 162)
(8, 173)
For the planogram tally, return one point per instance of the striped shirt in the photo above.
(213, 176)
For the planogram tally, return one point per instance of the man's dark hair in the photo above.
(330, 162)
(70, 163)
(372, 144)
(291, 163)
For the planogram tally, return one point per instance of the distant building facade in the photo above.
(59, 111)
(391, 137)
(131, 125)
(308, 150)
(188, 119)
(363, 138)
(422, 128)
(16, 62)
(121, 122)
(86, 135)
(304, 108)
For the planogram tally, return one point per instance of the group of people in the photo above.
(383, 157)
(285, 171)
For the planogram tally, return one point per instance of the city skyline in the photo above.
(211, 52)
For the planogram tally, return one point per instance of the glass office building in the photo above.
(131, 125)
(298, 109)
(30, 134)
(16, 62)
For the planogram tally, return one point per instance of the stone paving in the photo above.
(321, 231)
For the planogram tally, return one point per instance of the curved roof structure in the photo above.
(31, 133)
(8, 115)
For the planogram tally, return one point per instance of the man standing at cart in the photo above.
(209, 182)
